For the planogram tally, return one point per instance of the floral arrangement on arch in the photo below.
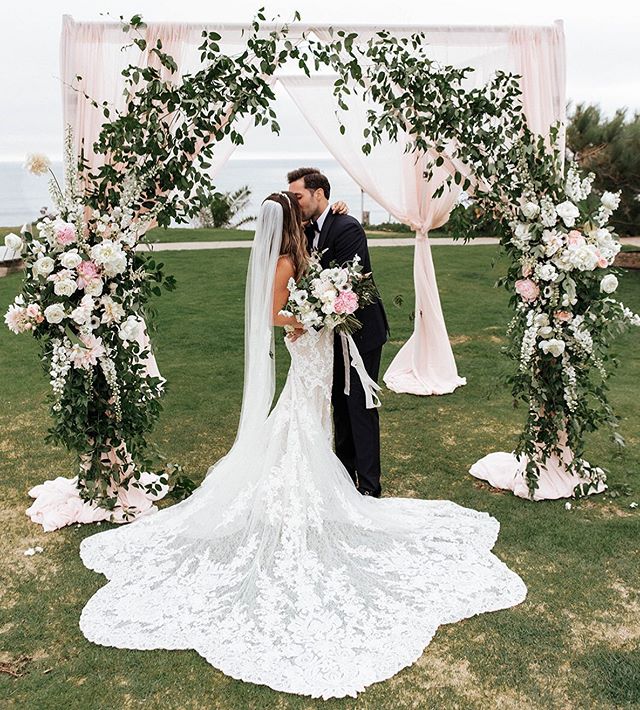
(83, 297)
(556, 232)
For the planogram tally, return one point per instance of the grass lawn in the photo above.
(574, 643)
(178, 234)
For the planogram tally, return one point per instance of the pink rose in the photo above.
(65, 233)
(346, 302)
(527, 271)
(602, 262)
(575, 239)
(562, 316)
(527, 289)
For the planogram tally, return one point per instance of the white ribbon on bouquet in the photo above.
(369, 385)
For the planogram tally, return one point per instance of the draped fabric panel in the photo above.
(395, 180)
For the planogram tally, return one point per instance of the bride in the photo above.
(276, 570)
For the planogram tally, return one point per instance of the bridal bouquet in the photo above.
(330, 297)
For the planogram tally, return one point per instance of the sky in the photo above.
(603, 62)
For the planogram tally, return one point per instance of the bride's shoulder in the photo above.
(285, 267)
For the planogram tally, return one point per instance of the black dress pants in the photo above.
(356, 428)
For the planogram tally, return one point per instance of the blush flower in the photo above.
(85, 357)
(65, 233)
(527, 289)
(346, 302)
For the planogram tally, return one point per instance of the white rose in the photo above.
(70, 259)
(530, 210)
(131, 328)
(94, 287)
(116, 265)
(43, 266)
(64, 287)
(568, 213)
(610, 200)
(541, 320)
(609, 283)
(584, 257)
(554, 347)
(13, 242)
(522, 231)
(54, 313)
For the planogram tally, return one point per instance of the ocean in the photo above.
(22, 194)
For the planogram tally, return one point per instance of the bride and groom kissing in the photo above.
(278, 570)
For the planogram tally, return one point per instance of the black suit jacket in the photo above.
(341, 238)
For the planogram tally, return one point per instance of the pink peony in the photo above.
(575, 239)
(88, 271)
(527, 289)
(346, 302)
(65, 233)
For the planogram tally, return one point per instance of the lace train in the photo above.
(286, 576)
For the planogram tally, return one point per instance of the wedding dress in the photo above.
(276, 570)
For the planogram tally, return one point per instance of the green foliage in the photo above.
(223, 209)
(611, 149)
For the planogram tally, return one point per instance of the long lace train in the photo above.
(278, 572)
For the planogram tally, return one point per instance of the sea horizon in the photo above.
(23, 194)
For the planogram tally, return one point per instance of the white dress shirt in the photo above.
(320, 222)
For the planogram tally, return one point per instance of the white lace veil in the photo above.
(259, 362)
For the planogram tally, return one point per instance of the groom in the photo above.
(340, 237)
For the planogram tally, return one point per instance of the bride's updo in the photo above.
(294, 240)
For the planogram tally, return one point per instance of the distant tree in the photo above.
(611, 149)
(223, 209)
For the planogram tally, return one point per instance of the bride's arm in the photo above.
(284, 271)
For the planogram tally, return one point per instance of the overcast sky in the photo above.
(603, 57)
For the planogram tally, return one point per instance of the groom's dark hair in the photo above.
(313, 179)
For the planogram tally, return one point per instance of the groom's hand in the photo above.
(340, 207)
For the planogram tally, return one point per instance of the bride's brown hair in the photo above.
(294, 240)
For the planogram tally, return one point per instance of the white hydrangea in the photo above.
(547, 272)
(584, 257)
(110, 256)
